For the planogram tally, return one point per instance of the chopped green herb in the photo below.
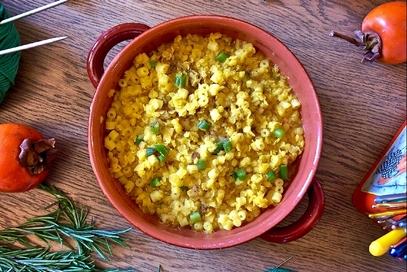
(271, 176)
(153, 63)
(155, 182)
(150, 151)
(284, 172)
(139, 139)
(279, 133)
(234, 176)
(195, 217)
(155, 127)
(222, 57)
(204, 125)
(201, 164)
(180, 80)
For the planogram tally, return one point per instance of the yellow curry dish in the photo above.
(203, 132)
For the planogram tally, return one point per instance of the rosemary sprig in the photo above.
(67, 221)
(41, 259)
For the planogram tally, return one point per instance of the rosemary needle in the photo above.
(41, 259)
(68, 221)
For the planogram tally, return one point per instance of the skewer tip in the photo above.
(30, 12)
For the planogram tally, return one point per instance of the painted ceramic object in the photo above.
(145, 39)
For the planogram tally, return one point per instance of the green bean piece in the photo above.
(201, 164)
(204, 125)
(155, 127)
(284, 172)
(155, 182)
(241, 174)
(271, 176)
(195, 217)
(150, 151)
(180, 80)
(161, 149)
(219, 147)
(161, 158)
(227, 145)
(139, 139)
(224, 145)
(153, 63)
(222, 57)
(279, 133)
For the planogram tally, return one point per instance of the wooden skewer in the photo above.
(25, 14)
(30, 45)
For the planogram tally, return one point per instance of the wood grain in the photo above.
(363, 105)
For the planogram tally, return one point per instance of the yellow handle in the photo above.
(383, 244)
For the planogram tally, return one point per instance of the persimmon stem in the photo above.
(36, 156)
(344, 37)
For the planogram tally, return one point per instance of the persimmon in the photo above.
(25, 157)
(383, 34)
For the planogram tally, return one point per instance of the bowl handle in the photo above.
(105, 42)
(307, 221)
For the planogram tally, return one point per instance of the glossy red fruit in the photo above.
(25, 157)
(383, 34)
(388, 21)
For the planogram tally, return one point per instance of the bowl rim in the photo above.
(245, 234)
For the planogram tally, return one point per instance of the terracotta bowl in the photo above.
(145, 39)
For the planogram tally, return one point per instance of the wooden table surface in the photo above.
(363, 106)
